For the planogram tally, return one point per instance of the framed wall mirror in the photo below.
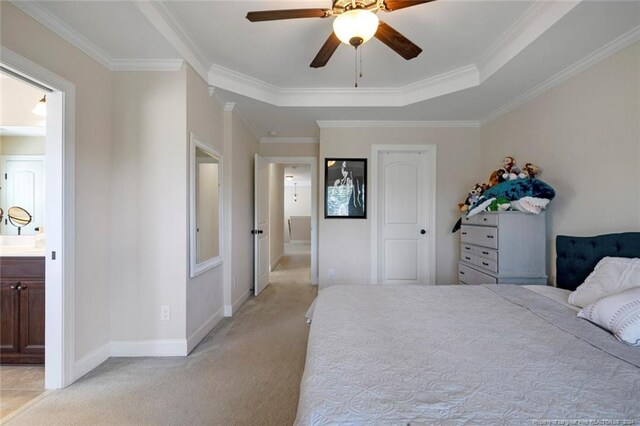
(205, 207)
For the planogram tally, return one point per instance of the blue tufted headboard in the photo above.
(577, 256)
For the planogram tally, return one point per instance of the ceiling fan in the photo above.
(355, 23)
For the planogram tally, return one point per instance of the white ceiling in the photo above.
(301, 174)
(480, 57)
(17, 100)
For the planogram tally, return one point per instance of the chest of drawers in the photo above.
(503, 248)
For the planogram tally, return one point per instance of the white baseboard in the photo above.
(197, 336)
(230, 309)
(275, 262)
(168, 347)
(92, 360)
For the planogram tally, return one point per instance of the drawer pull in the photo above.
(467, 257)
(485, 263)
(485, 252)
(484, 219)
(464, 233)
(490, 236)
(461, 272)
(467, 248)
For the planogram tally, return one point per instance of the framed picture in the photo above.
(345, 188)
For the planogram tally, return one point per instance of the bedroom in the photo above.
(580, 128)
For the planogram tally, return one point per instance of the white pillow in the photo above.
(618, 313)
(610, 276)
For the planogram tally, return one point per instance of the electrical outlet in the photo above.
(331, 273)
(165, 313)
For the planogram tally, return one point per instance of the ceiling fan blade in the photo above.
(392, 5)
(274, 15)
(397, 42)
(326, 51)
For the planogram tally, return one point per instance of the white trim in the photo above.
(197, 336)
(297, 140)
(195, 267)
(373, 203)
(59, 27)
(275, 262)
(92, 360)
(230, 309)
(164, 19)
(140, 348)
(334, 124)
(313, 162)
(541, 16)
(60, 220)
(52, 22)
(229, 106)
(585, 63)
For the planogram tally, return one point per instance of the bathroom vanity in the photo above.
(22, 302)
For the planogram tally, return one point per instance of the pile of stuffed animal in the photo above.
(510, 188)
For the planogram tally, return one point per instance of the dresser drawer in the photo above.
(467, 249)
(470, 258)
(470, 220)
(487, 253)
(487, 264)
(480, 235)
(471, 276)
(487, 219)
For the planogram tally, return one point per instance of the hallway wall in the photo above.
(276, 213)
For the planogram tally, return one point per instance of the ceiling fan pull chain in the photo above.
(356, 66)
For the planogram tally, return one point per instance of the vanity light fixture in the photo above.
(41, 107)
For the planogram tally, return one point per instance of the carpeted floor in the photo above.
(247, 371)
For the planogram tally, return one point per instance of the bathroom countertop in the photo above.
(20, 251)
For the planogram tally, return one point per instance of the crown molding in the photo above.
(541, 16)
(60, 28)
(229, 106)
(164, 19)
(63, 30)
(295, 140)
(615, 46)
(339, 124)
(452, 81)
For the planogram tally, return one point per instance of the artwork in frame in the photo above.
(345, 188)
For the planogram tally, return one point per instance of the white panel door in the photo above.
(404, 218)
(261, 225)
(23, 187)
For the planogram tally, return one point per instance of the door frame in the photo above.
(59, 215)
(313, 162)
(373, 204)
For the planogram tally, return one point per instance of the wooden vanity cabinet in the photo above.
(22, 310)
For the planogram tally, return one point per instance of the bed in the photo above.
(488, 354)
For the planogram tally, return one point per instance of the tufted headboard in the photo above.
(577, 256)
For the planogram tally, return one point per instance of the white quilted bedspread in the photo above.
(461, 355)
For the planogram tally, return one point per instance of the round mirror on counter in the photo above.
(18, 217)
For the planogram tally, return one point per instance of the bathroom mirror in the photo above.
(18, 217)
(205, 208)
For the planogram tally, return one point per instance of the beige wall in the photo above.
(585, 135)
(148, 207)
(205, 119)
(22, 145)
(344, 245)
(276, 213)
(244, 149)
(31, 40)
(289, 149)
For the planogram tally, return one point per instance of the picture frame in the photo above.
(345, 188)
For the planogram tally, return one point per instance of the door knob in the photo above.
(422, 231)
(260, 231)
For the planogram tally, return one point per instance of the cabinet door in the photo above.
(9, 318)
(32, 318)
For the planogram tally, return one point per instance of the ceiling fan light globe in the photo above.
(356, 24)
